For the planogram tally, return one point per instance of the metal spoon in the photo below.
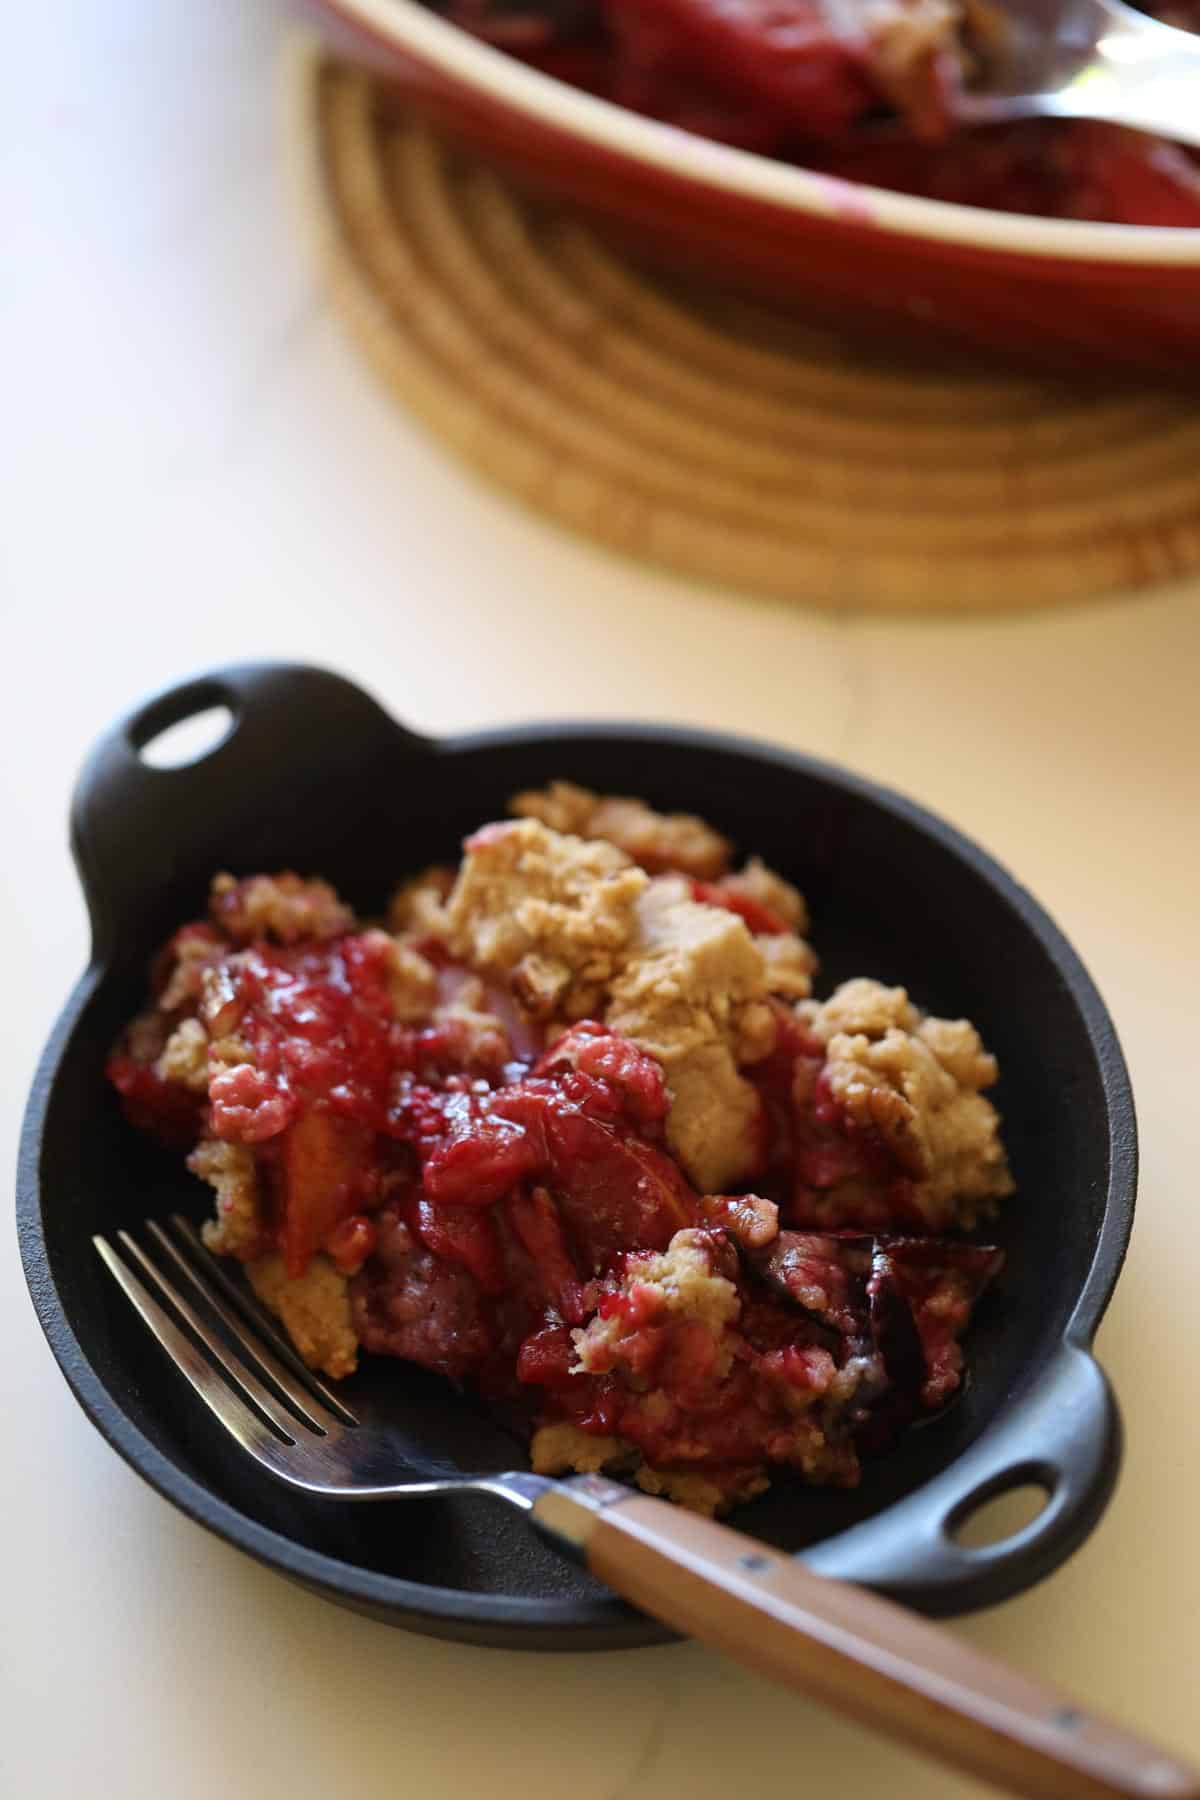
(1092, 59)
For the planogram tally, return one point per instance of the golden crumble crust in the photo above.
(237, 1229)
(561, 1448)
(551, 913)
(480, 1036)
(191, 956)
(693, 994)
(758, 882)
(659, 842)
(697, 1492)
(417, 908)
(314, 1309)
(184, 1057)
(683, 1283)
(412, 979)
(789, 963)
(916, 1080)
(284, 908)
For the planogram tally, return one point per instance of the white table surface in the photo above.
(197, 468)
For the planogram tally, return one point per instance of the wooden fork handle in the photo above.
(860, 1654)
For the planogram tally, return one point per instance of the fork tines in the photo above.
(233, 1357)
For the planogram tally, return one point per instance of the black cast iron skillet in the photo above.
(314, 776)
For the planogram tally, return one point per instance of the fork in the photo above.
(1092, 59)
(847, 1647)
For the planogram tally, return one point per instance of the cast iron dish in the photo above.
(314, 775)
(1093, 297)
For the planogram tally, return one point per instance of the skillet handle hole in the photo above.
(1000, 1516)
(183, 728)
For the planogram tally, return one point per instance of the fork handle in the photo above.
(858, 1653)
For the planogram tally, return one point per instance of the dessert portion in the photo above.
(809, 81)
(570, 1127)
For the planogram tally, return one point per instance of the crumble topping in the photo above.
(231, 1171)
(659, 842)
(418, 907)
(915, 1082)
(690, 1345)
(761, 885)
(788, 965)
(412, 980)
(283, 907)
(578, 930)
(469, 1023)
(190, 953)
(693, 995)
(552, 913)
(860, 1006)
(185, 1057)
(314, 1309)
(573, 1131)
(684, 1281)
(563, 1449)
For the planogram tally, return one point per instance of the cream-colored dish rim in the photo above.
(409, 26)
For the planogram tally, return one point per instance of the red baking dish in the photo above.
(1059, 292)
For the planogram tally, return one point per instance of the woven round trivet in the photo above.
(712, 437)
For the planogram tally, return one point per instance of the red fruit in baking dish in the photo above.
(616, 1191)
(539, 1228)
(759, 918)
(324, 1162)
(169, 1112)
(462, 1234)
(788, 61)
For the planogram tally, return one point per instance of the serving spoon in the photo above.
(1091, 59)
(828, 1639)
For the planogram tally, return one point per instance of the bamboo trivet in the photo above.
(714, 437)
